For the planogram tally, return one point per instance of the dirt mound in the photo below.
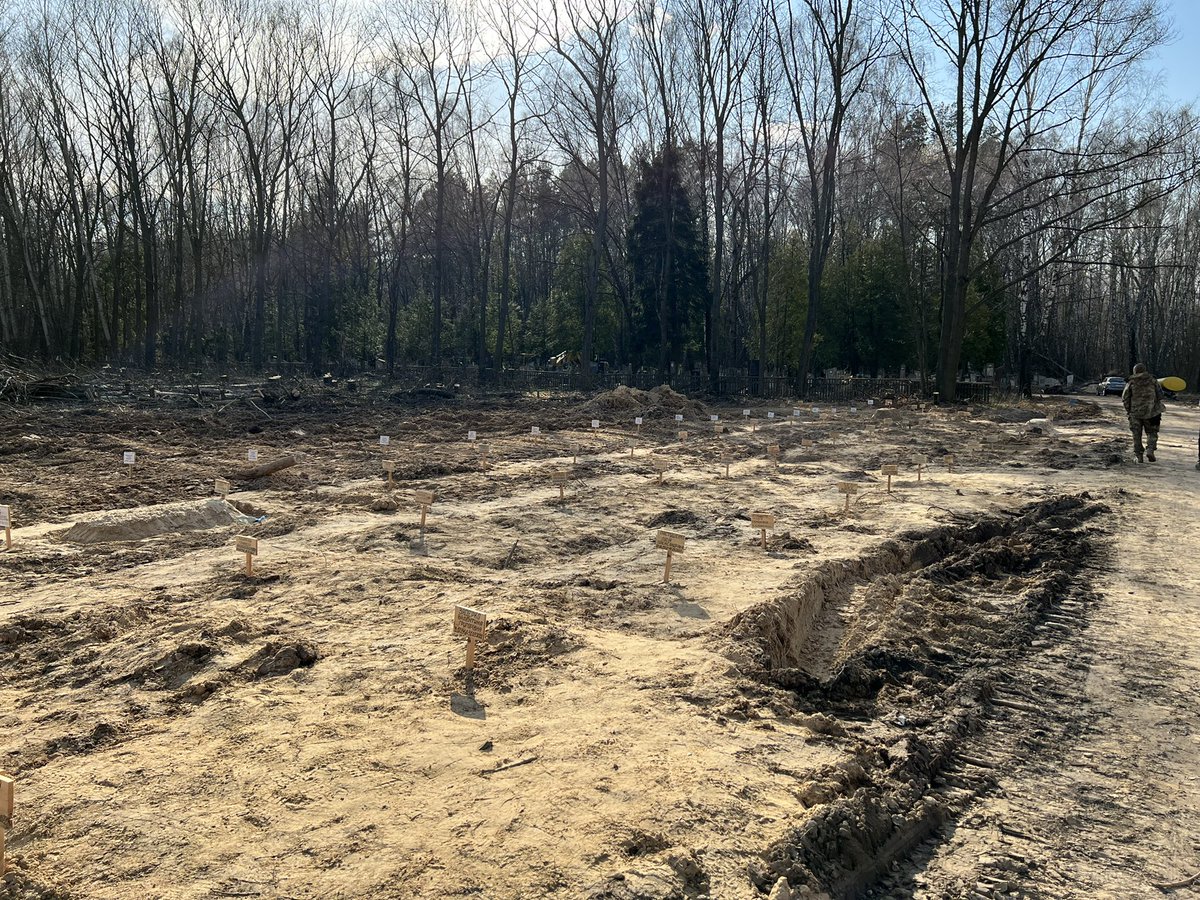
(673, 517)
(1077, 411)
(280, 658)
(624, 399)
(151, 521)
(919, 650)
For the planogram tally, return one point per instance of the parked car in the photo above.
(1112, 385)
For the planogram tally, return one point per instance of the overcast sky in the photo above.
(1179, 62)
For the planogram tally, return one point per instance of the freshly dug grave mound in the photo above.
(151, 521)
(625, 399)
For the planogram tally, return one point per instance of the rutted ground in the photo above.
(888, 702)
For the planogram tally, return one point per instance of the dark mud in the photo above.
(903, 652)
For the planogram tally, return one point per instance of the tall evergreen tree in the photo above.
(667, 255)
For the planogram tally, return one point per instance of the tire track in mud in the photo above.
(941, 659)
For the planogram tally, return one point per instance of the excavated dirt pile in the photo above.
(659, 402)
(905, 649)
(152, 521)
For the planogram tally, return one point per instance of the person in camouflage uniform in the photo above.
(1143, 400)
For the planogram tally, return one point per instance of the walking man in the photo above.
(1143, 400)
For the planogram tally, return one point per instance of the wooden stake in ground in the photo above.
(848, 488)
(762, 521)
(889, 470)
(222, 486)
(6, 524)
(7, 807)
(249, 546)
(919, 460)
(471, 624)
(560, 477)
(661, 465)
(424, 499)
(389, 466)
(672, 543)
(948, 459)
(575, 454)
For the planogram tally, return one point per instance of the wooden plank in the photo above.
(470, 623)
(7, 795)
(247, 545)
(762, 520)
(423, 498)
(268, 468)
(890, 469)
(670, 541)
(222, 486)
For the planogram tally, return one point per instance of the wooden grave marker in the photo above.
(762, 521)
(7, 808)
(948, 459)
(773, 453)
(596, 424)
(770, 415)
(535, 431)
(251, 455)
(848, 488)
(560, 477)
(890, 469)
(575, 453)
(471, 436)
(661, 464)
(919, 460)
(471, 624)
(6, 524)
(249, 546)
(806, 443)
(423, 499)
(638, 422)
(385, 440)
(683, 436)
(222, 486)
(129, 458)
(678, 417)
(672, 543)
(389, 466)
(483, 455)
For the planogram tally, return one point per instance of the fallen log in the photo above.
(268, 468)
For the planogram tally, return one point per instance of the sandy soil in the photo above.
(982, 684)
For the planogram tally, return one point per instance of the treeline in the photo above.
(860, 184)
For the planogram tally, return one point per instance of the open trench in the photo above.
(913, 655)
